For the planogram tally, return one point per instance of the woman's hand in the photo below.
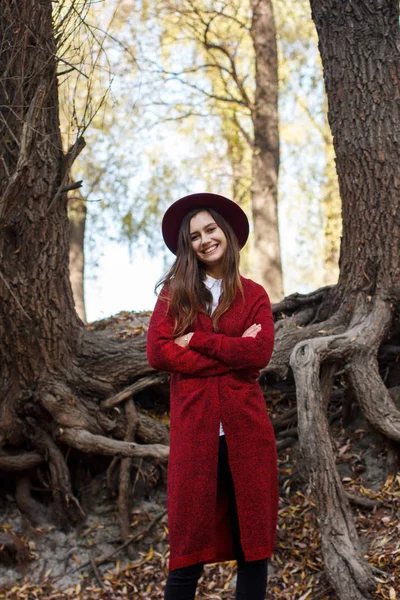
(252, 331)
(183, 340)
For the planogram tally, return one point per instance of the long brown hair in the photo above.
(188, 294)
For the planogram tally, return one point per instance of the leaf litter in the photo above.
(296, 570)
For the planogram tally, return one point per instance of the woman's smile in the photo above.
(211, 249)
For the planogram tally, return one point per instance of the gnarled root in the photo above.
(293, 331)
(19, 462)
(67, 506)
(124, 476)
(98, 444)
(311, 361)
(376, 401)
(28, 506)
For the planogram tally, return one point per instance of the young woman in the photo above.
(213, 330)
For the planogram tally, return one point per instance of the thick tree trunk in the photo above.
(361, 71)
(53, 373)
(77, 224)
(267, 266)
(358, 45)
(39, 327)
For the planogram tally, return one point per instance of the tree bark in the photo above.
(38, 311)
(265, 164)
(360, 58)
(53, 373)
(77, 223)
(361, 61)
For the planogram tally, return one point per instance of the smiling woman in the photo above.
(213, 330)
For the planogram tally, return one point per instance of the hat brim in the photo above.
(231, 211)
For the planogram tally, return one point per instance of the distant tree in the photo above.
(89, 49)
(309, 192)
(77, 225)
(229, 75)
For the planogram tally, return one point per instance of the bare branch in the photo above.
(27, 137)
(69, 159)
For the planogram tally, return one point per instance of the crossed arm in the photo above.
(210, 353)
(164, 354)
(252, 351)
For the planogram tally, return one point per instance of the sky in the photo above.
(123, 278)
(123, 282)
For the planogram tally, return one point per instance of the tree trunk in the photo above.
(54, 373)
(361, 72)
(39, 327)
(265, 164)
(361, 64)
(77, 224)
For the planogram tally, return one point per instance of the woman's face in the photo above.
(208, 240)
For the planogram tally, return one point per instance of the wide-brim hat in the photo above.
(231, 211)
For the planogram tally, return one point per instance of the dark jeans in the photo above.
(251, 576)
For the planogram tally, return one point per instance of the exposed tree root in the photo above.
(20, 462)
(124, 475)
(98, 444)
(357, 348)
(285, 443)
(346, 569)
(133, 389)
(299, 319)
(150, 431)
(110, 362)
(67, 506)
(295, 301)
(363, 502)
(81, 410)
(362, 370)
(69, 411)
(28, 506)
(290, 334)
(288, 418)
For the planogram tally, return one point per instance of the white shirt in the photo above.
(214, 285)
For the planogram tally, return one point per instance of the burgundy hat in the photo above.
(231, 211)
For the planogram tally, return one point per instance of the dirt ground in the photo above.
(89, 561)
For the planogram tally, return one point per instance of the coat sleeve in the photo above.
(164, 354)
(241, 352)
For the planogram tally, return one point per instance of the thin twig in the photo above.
(96, 571)
(69, 159)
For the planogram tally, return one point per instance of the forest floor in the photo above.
(89, 562)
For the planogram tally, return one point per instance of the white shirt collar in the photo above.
(210, 282)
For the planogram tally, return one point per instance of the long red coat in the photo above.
(216, 379)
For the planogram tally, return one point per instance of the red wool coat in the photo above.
(213, 380)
